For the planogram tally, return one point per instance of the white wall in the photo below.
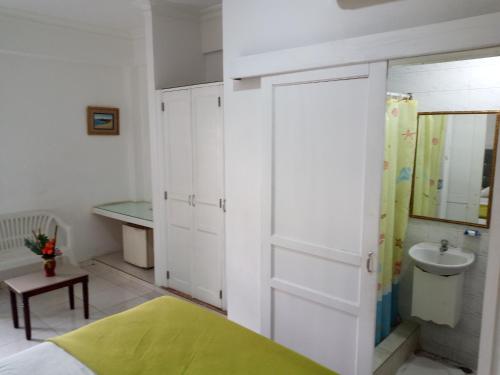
(211, 29)
(262, 25)
(496, 349)
(259, 26)
(137, 75)
(177, 50)
(187, 45)
(48, 75)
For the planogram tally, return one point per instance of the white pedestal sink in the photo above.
(438, 282)
(451, 262)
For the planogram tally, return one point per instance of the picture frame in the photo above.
(103, 121)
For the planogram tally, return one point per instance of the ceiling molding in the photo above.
(172, 11)
(213, 11)
(175, 10)
(64, 23)
(144, 5)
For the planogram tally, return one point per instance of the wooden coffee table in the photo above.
(37, 283)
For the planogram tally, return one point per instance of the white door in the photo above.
(208, 180)
(177, 145)
(324, 162)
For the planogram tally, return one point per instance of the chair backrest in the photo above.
(14, 228)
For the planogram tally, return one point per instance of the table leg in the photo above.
(13, 306)
(85, 287)
(27, 318)
(71, 290)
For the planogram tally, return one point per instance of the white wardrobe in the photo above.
(193, 170)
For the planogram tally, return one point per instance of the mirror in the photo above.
(454, 167)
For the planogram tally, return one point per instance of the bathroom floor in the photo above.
(419, 365)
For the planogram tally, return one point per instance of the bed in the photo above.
(162, 336)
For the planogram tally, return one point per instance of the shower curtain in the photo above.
(431, 139)
(399, 156)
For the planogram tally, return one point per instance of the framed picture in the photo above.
(103, 121)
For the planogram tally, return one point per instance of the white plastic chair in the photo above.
(15, 258)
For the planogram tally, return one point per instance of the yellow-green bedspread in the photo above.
(170, 336)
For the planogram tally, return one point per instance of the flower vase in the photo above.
(49, 265)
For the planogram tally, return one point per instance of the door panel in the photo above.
(334, 278)
(323, 167)
(178, 157)
(208, 182)
(317, 164)
(314, 324)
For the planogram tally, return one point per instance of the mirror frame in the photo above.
(492, 185)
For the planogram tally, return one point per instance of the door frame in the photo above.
(160, 209)
(376, 73)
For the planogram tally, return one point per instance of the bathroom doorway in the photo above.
(442, 123)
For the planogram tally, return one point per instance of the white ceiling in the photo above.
(123, 16)
(194, 3)
(118, 15)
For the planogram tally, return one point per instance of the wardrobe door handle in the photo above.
(369, 261)
(189, 199)
(193, 203)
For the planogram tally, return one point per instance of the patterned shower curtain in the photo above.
(399, 156)
(431, 139)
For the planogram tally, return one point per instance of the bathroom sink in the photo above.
(451, 262)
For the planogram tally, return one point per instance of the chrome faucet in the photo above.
(444, 246)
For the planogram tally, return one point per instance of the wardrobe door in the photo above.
(324, 140)
(208, 180)
(179, 187)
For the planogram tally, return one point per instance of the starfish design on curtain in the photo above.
(408, 134)
(399, 155)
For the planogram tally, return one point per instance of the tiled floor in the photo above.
(391, 353)
(115, 260)
(419, 365)
(110, 293)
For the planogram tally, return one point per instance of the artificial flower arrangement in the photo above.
(45, 247)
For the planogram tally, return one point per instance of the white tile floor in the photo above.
(419, 365)
(110, 292)
(116, 260)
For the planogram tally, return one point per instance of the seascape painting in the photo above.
(103, 121)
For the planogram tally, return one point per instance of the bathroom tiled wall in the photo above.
(460, 344)
(450, 86)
